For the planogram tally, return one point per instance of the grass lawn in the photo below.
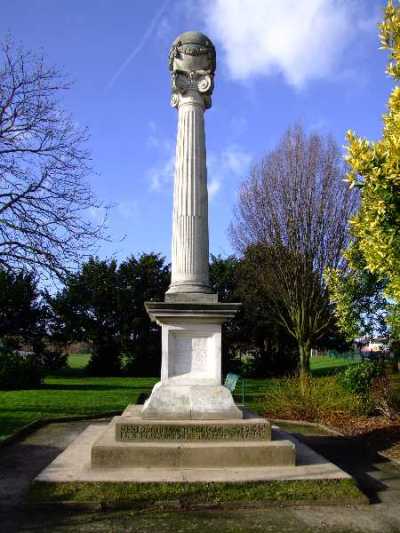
(255, 389)
(69, 392)
(324, 366)
(191, 496)
(78, 361)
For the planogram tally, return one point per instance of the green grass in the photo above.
(61, 397)
(323, 397)
(256, 389)
(269, 518)
(70, 393)
(325, 366)
(194, 495)
(79, 360)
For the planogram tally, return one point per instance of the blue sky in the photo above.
(278, 62)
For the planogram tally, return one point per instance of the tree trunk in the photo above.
(304, 370)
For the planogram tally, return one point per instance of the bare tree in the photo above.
(44, 197)
(295, 206)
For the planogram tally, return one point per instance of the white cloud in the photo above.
(98, 214)
(302, 39)
(127, 209)
(213, 187)
(162, 174)
(235, 160)
(164, 28)
(162, 148)
(157, 141)
(230, 163)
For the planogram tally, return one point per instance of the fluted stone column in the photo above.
(192, 68)
(190, 213)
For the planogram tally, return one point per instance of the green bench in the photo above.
(231, 382)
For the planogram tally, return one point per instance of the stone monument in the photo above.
(191, 317)
(190, 419)
(190, 429)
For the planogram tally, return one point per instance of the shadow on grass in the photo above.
(327, 371)
(69, 372)
(93, 387)
(356, 457)
(324, 371)
(54, 412)
(142, 398)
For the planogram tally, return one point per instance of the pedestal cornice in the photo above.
(165, 312)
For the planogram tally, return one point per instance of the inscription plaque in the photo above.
(190, 356)
(199, 354)
(170, 432)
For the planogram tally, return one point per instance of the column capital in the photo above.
(192, 64)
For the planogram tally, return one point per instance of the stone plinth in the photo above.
(131, 442)
(190, 385)
(113, 460)
(74, 465)
(107, 453)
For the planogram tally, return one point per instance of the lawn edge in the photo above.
(328, 429)
(29, 428)
(332, 431)
(177, 495)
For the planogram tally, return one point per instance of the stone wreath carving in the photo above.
(192, 63)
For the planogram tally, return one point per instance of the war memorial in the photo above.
(189, 430)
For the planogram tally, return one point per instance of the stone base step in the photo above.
(107, 452)
(73, 464)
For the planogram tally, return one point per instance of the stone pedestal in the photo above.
(190, 385)
(132, 442)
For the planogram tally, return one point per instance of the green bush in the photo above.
(318, 399)
(51, 360)
(358, 378)
(18, 371)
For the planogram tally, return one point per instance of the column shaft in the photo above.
(190, 211)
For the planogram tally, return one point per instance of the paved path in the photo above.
(380, 480)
